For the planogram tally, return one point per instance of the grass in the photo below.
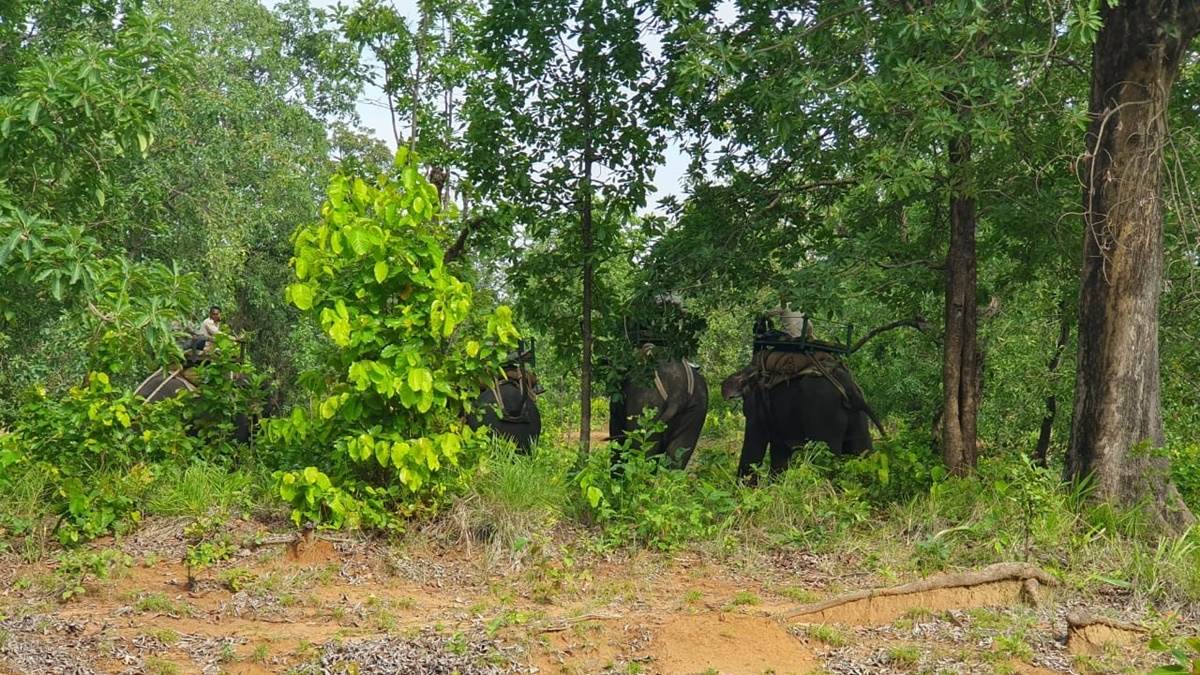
(742, 599)
(157, 603)
(903, 656)
(163, 635)
(159, 666)
(200, 488)
(829, 635)
(515, 499)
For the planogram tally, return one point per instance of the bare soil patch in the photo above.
(426, 608)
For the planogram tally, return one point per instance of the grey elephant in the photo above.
(509, 408)
(793, 398)
(677, 392)
(169, 382)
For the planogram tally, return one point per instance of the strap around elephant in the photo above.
(165, 380)
(691, 381)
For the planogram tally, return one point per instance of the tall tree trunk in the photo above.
(960, 361)
(585, 222)
(1117, 420)
(1042, 451)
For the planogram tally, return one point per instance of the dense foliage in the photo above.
(159, 157)
(408, 357)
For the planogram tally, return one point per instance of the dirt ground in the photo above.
(355, 606)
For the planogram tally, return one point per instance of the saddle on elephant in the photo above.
(771, 368)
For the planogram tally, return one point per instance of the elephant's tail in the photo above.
(854, 397)
(873, 417)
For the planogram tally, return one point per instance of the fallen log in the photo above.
(997, 573)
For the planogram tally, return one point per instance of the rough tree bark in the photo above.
(960, 371)
(1117, 420)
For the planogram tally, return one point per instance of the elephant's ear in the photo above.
(734, 385)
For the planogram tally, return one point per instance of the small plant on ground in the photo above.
(208, 544)
(905, 656)
(157, 603)
(75, 567)
(830, 635)
(742, 599)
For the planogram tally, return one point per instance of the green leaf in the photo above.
(301, 296)
(381, 271)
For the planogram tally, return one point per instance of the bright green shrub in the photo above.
(1185, 471)
(95, 443)
(899, 468)
(639, 500)
(410, 360)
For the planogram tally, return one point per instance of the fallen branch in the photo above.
(567, 623)
(1079, 620)
(1009, 571)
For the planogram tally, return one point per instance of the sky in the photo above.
(372, 109)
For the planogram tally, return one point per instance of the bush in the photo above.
(1185, 471)
(387, 436)
(637, 499)
(96, 445)
(899, 468)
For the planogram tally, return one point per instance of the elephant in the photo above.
(790, 399)
(516, 417)
(166, 383)
(678, 393)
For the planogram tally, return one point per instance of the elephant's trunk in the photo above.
(735, 385)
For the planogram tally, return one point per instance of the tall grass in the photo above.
(199, 488)
(514, 499)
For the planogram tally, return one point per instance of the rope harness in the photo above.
(175, 373)
(691, 381)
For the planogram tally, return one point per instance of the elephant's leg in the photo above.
(858, 434)
(781, 455)
(687, 427)
(754, 439)
(616, 418)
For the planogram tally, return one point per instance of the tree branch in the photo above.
(918, 322)
(460, 242)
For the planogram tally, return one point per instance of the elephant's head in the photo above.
(735, 385)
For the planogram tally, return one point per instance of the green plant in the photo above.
(743, 598)
(411, 356)
(157, 603)
(315, 499)
(208, 544)
(159, 666)
(1185, 472)
(97, 445)
(74, 567)
(904, 656)
(237, 579)
(829, 635)
(900, 467)
(636, 498)
(1186, 656)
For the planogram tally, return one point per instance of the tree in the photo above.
(891, 146)
(566, 107)
(1117, 421)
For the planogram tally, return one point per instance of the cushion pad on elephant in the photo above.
(773, 368)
